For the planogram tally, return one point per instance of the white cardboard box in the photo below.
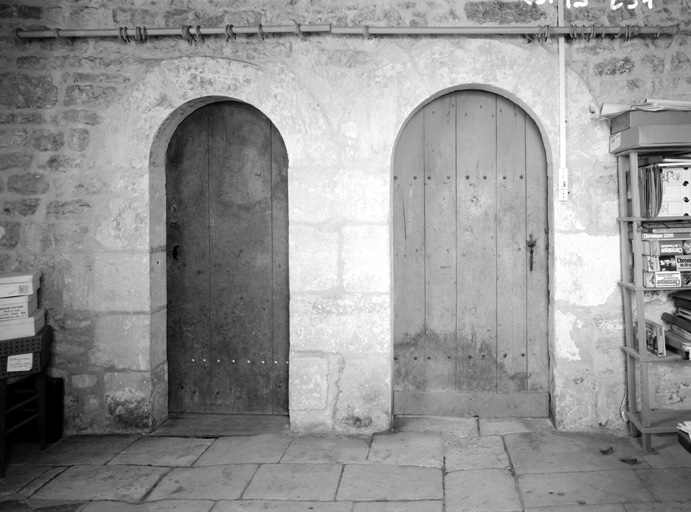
(22, 306)
(23, 327)
(13, 284)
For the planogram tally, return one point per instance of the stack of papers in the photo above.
(685, 427)
(609, 110)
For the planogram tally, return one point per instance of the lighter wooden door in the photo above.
(227, 263)
(470, 260)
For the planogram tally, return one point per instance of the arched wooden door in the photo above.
(227, 263)
(470, 260)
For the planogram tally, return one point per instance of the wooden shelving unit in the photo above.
(643, 418)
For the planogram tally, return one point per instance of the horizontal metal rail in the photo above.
(195, 33)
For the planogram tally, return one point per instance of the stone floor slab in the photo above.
(668, 484)
(461, 427)
(667, 453)
(582, 488)
(163, 451)
(282, 506)
(330, 449)
(613, 507)
(461, 453)
(158, 506)
(407, 449)
(117, 483)
(84, 450)
(657, 507)
(505, 426)
(313, 482)
(19, 477)
(205, 483)
(399, 506)
(20, 504)
(259, 449)
(390, 483)
(546, 452)
(484, 490)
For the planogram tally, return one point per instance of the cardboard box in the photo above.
(17, 307)
(651, 137)
(23, 327)
(38, 346)
(19, 283)
(640, 117)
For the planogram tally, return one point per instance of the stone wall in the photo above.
(83, 129)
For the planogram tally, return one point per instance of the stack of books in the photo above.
(678, 336)
(19, 315)
(666, 254)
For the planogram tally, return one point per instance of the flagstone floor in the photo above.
(424, 465)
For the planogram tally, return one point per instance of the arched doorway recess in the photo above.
(470, 247)
(227, 263)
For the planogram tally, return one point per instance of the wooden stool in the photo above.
(13, 413)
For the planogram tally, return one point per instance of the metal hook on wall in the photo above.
(187, 33)
(229, 33)
(140, 35)
(365, 32)
(260, 31)
(298, 31)
(198, 30)
(124, 37)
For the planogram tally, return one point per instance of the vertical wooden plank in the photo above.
(280, 297)
(537, 284)
(440, 243)
(187, 265)
(477, 244)
(409, 257)
(241, 260)
(512, 257)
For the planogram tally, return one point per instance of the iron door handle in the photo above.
(531, 247)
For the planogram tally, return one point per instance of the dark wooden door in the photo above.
(227, 263)
(470, 260)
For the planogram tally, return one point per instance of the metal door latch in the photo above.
(531, 247)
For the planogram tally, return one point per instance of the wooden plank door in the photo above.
(227, 265)
(470, 285)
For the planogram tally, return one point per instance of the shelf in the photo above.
(633, 287)
(685, 218)
(639, 403)
(661, 421)
(651, 358)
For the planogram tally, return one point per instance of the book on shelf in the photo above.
(678, 336)
(655, 338)
(665, 190)
(678, 344)
(665, 279)
(677, 236)
(671, 159)
(667, 263)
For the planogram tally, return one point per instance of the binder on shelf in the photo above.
(677, 344)
(665, 190)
